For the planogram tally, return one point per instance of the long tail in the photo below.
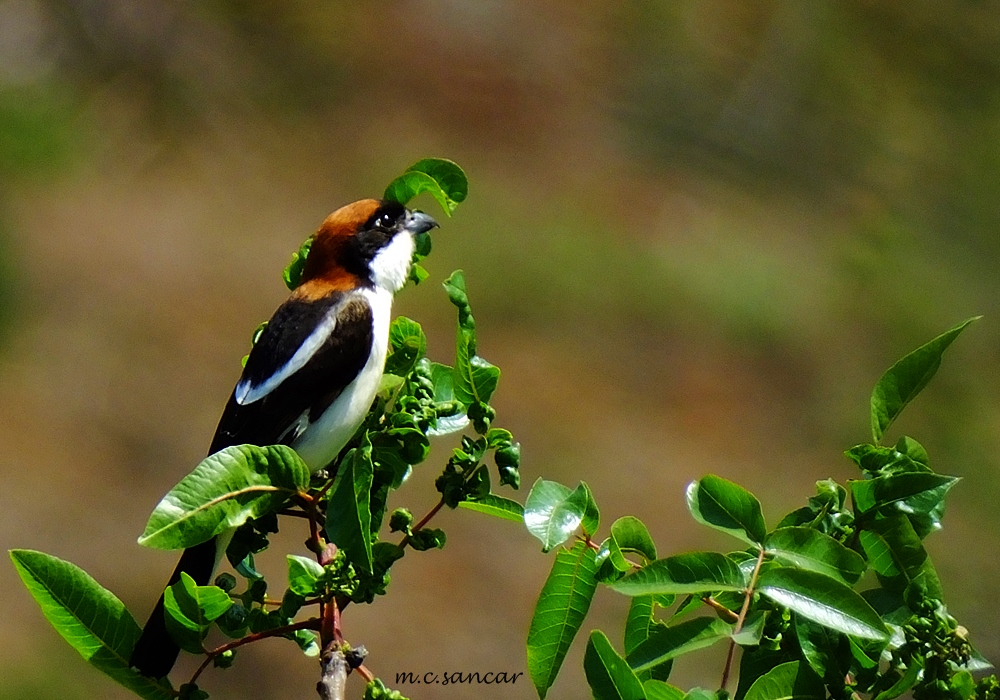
(156, 652)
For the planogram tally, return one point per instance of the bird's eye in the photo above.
(386, 221)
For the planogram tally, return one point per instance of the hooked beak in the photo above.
(419, 222)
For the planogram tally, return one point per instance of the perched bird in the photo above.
(312, 375)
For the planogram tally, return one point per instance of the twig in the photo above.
(741, 619)
(720, 608)
(312, 623)
(333, 675)
(422, 522)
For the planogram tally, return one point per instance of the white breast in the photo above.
(326, 435)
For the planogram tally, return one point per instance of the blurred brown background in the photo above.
(697, 233)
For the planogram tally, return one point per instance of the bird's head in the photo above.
(367, 243)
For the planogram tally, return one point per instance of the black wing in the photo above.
(277, 416)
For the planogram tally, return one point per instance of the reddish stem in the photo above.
(741, 619)
(312, 623)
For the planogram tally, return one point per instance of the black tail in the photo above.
(156, 652)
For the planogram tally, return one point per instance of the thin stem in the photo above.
(741, 618)
(311, 623)
(365, 673)
(720, 608)
(422, 522)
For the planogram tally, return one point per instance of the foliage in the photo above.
(838, 600)
(249, 487)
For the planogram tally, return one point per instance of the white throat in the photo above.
(391, 265)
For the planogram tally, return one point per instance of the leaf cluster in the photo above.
(838, 600)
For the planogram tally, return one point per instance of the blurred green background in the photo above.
(697, 233)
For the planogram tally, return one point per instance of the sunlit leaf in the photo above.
(822, 599)
(904, 380)
(224, 491)
(629, 534)
(348, 522)
(552, 512)
(498, 506)
(728, 507)
(408, 345)
(696, 572)
(561, 608)
(442, 179)
(811, 549)
(89, 617)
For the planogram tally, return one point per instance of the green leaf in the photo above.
(474, 378)
(920, 495)
(303, 575)
(665, 643)
(629, 534)
(810, 549)
(826, 651)
(292, 274)
(608, 674)
(822, 599)
(443, 179)
(408, 345)
(591, 515)
(190, 610)
(659, 690)
(752, 630)
(696, 572)
(498, 506)
(638, 621)
(89, 617)
(223, 492)
(561, 608)
(552, 512)
(905, 682)
(728, 507)
(348, 521)
(905, 379)
(895, 552)
(789, 681)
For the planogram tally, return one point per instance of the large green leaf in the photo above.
(629, 534)
(665, 643)
(895, 552)
(726, 506)
(89, 617)
(789, 681)
(822, 599)
(348, 519)
(552, 512)
(498, 506)
(608, 674)
(810, 549)
(223, 492)
(441, 178)
(561, 608)
(904, 380)
(695, 572)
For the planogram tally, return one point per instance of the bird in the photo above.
(312, 375)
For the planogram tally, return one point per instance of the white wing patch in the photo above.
(246, 393)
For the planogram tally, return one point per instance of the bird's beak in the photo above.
(419, 222)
